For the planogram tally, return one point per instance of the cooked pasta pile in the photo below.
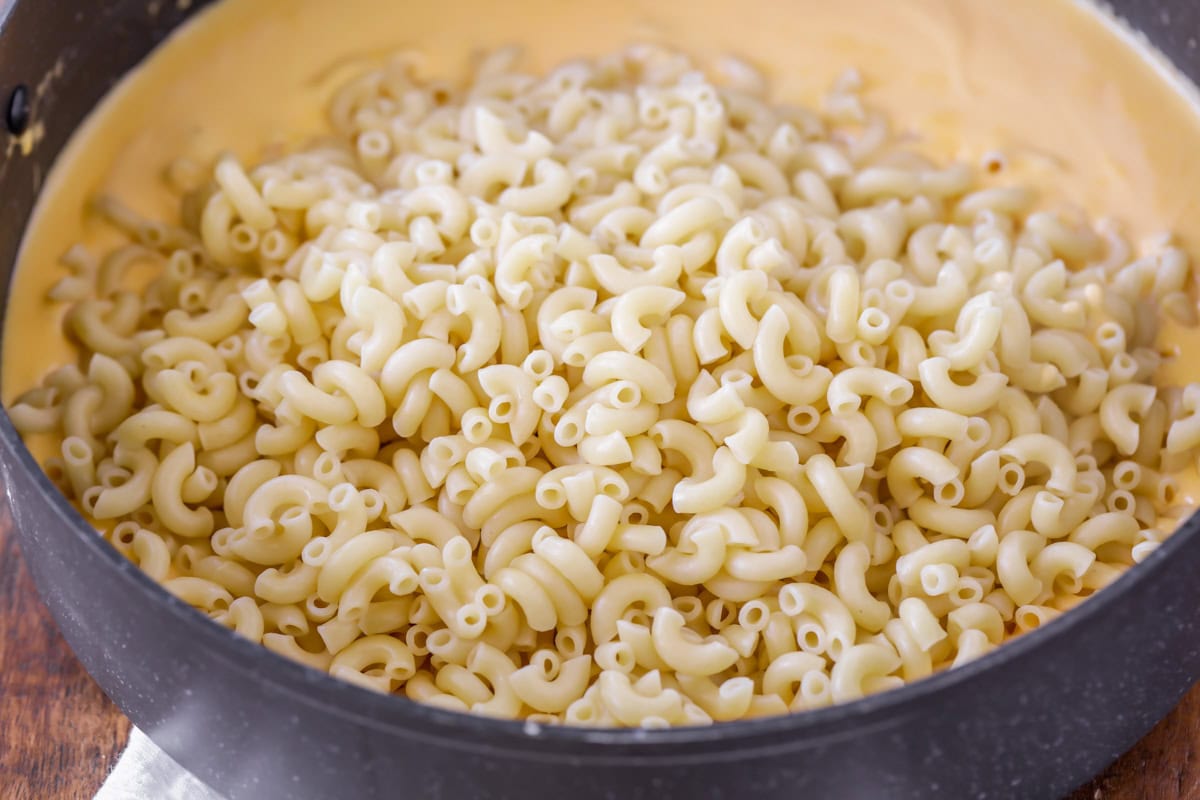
(619, 396)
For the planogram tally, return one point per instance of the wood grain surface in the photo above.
(59, 734)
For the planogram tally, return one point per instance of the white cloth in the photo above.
(144, 772)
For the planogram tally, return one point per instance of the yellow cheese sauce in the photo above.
(1079, 111)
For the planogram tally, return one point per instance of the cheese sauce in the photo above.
(1076, 106)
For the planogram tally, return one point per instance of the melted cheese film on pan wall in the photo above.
(725, 554)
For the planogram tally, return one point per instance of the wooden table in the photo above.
(59, 734)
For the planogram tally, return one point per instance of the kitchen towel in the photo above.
(143, 772)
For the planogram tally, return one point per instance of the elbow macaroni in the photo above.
(570, 415)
